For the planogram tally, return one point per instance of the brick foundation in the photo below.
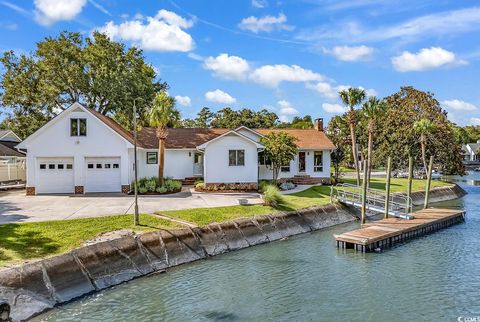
(79, 190)
(233, 186)
(126, 188)
(30, 191)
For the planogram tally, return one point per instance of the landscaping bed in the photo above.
(152, 186)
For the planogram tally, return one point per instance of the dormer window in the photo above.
(78, 127)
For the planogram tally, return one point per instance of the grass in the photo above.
(314, 196)
(399, 184)
(24, 241)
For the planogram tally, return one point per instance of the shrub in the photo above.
(142, 190)
(151, 184)
(263, 184)
(172, 185)
(272, 196)
(200, 186)
(197, 181)
(162, 189)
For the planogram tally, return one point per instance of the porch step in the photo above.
(307, 180)
(190, 181)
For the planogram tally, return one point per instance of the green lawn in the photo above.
(399, 184)
(23, 241)
(318, 195)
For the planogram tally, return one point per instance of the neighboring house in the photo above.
(82, 151)
(471, 151)
(12, 162)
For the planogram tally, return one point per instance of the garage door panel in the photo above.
(102, 175)
(55, 175)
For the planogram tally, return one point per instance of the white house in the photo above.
(471, 152)
(12, 162)
(82, 151)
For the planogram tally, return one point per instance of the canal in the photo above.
(433, 278)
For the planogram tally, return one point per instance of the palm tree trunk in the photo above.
(354, 150)
(369, 154)
(423, 144)
(161, 160)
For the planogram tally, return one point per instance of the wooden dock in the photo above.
(388, 232)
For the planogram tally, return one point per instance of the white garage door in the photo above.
(55, 175)
(102, 175)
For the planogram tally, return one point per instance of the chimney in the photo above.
(318, 124)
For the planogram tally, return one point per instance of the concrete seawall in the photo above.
(37, 286)
(439, 194)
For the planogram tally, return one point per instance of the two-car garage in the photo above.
(98, 174)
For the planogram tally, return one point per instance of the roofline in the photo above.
(57, 118)
(11, 132)
(204, 145)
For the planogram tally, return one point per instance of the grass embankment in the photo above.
(314, 196)
(24, 241)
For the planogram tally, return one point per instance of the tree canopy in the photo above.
(280, 149)
(229, 118)
(101, 74)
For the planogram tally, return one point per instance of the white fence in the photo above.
(12, 171)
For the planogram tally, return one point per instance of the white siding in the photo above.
(55, 141)
(217, 169)
(178, 164)
(267, 173)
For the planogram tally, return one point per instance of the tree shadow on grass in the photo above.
(24, 244)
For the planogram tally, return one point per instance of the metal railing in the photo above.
(399, 204)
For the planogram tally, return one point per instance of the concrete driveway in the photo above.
(16, 207)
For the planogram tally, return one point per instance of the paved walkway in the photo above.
(16, 207)
(298, 188)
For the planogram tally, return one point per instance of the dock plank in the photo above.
(385, 229)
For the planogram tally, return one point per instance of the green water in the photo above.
(305, 278)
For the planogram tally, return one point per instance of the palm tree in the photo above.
(373, 109)
(424, 127)
(162, 114)
(352, 97)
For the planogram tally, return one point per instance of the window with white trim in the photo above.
(236, 158)
(78, 127)
(152, 157)
(318, 161)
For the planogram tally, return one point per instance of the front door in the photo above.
(301, 161)
(198, 164)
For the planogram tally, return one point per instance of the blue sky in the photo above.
(288, 56)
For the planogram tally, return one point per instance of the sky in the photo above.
(290, 57)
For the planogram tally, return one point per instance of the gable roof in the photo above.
(4, 134)
(234, 132)
(7, 150)
(190, 138)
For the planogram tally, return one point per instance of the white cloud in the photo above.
(426, 58)
(458, 105)
(219, 96)
(272, 75)
(229, 67)
(324, 89)
(164, 32)
(436, 24)
(334, 108)
(474, 121)
(183, 100)
(265, 24)
(100, 7)
(286, 110)
(47, 12)
(327, 91)
(348, 53)
(259, 3)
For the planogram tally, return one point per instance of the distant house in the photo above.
(12, 162)
(82, 151)
(471, 152)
